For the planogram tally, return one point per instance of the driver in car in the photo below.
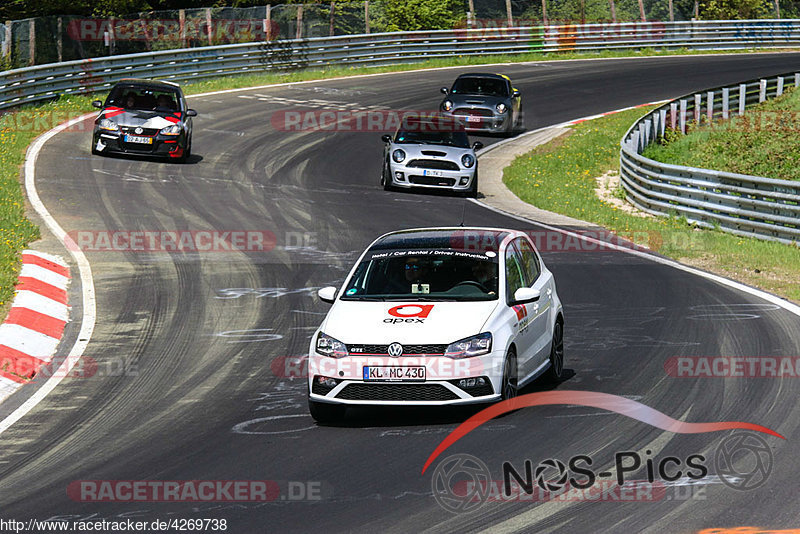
(484, 272)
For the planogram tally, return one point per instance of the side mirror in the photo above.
(327, 294)
(386, 138)
(98, 104)
(477, 145)
(444, 91)
(515, 93)
(191, 113)
(524, 295)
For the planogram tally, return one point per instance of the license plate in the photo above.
(429, 172)
(140, 140)
(394, 373)
(473, 118)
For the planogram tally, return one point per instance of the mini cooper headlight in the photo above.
(398, 155)
(447, 105)
(501, 108)
(469, 347)
(175, 129)
(328, 346)
(467, 160)
(108, 124)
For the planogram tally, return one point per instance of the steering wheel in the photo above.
(472, 283)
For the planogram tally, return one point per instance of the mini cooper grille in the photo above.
(432, 180)
(433, 164)
(397, 392)
(146, 132)
(467, 111)
(407, 349)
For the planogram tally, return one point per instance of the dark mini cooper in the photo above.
(144, 117)
(488, 103)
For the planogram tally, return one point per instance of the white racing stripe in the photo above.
(28, 341)
(41, 304)
(45, 275)
(45, 256)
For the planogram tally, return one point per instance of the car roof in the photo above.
(156, 84)
(484, 75)
(434, 121)
(458, 237)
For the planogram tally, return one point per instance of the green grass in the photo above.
(762, 142)
(19, 232)
(560, 176)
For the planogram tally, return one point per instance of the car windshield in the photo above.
(480, 86)
(144, 98)
(424, 274)
(447, 138)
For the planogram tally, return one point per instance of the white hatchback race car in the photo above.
(442, 316)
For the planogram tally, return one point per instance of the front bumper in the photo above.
(445, 383)
(494, 123)
(408, 177)
(173, 146)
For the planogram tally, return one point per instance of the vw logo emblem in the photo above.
(138, 130)
(395, 350)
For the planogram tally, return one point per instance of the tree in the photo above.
(734, 9)
(409, 15)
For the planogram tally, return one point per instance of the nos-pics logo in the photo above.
(409, 313)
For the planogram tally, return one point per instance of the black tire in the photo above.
(472, 192)
(555, 372)
(322, 412)
(509, 387)
(386, 181)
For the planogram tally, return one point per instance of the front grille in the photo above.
(432, 180)
(442, 165)
(146, 132)
(434, 350)
(397, 392)
(481, 112)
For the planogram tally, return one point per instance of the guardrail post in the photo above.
(182, 23)
(508, 14)
(662, 123)
(673, 115)
(762, 90)
(710, 102)
(6, 51)
(209, 27)
(698, 103)
(60, 40)
(779, 91)
(366, 16)
(32, 42)
(797, 79)
(299, 32)
(742, 97)
(268, 23)
(331, 31)
(683, 116)
(725, 101)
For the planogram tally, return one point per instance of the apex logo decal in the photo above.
(409, 313)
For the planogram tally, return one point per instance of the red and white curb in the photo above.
(31, 332)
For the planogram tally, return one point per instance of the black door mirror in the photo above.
(386, 138)
(98, 104)
(477, 145)
(191, 113)
(444, 91)
(515, 93)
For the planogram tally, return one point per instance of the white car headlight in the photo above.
(447, 105)
(328, 346)
(501, 108)
(175, 129)
(467, 160)
(108, 124)
(398, 156)
(469, 347)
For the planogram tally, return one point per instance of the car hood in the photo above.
(406, 322)
(477, 100)
(443, 152)
(141, 118)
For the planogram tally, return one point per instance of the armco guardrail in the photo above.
(47, 81)
(752, 206)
